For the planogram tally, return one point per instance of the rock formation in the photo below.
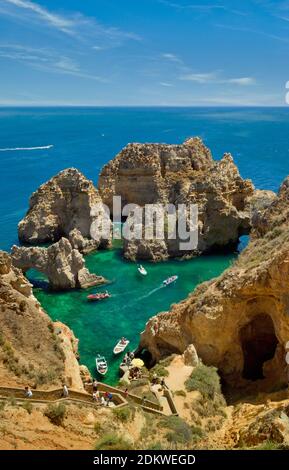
(63, 265)
(182, 174)
(67, 205)
(238, 322)
(32, 350)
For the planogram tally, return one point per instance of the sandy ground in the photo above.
(178, 374)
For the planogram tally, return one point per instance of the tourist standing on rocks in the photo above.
(65, 392)
(94, 385)
(28, 392)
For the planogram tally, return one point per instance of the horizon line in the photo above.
(45, 105)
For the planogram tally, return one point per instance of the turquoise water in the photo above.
(87, 138)
(134, 300)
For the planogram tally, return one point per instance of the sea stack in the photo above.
(63, 265)
(64, 206)
(181, 174)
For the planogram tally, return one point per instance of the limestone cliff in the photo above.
(65, 204)
(238, 322)
(181, 174)
(63, 265)
(32, 349)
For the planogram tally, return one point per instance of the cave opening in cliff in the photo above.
(259, 344)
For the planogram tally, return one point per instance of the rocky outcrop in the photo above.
(63, 265)
(181, 174)
(238, 322)
(67, 205)
(32, 349)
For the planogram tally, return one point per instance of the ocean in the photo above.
(36, 143)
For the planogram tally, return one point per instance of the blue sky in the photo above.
(144, 52)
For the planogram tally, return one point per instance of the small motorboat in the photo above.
(169, 280)
(101, 365)
(142, 270)
(121, 345)
(99, 296)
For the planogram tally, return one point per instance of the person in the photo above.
(94, 397)
(143, 400)
(94, 385)
(102, 401)
(28, 392)
(163, 383)
(287, 361)
(65, 392)
(108, 399)
(126, 393)
(154, 378)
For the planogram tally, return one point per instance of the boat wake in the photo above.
(45, 147)
(151, 292)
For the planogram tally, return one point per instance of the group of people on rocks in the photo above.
(135, 373)
(128, 357)
(100, 399)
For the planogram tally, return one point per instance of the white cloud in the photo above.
(215, 78)
(166, 84)
(243, 81)
(172, 58)
(75, 24)
(200, 77)
(59, 22)
(45, 59)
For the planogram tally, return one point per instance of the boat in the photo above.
(99, 296)
(142, 270)
(121, 345)
(169, 280)
(101, 365)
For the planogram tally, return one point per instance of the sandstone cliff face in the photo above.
(238, 322)
(63, 265)
(63, 205)
(181, 174)
(32, 351)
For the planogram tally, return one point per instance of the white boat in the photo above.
(101, 365)
(121, 345)
(142, 270)
(169, 280)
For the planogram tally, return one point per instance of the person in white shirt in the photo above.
(65, 392)
(28, 392)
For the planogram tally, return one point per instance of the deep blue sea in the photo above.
(86, 138)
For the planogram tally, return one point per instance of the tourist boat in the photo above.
(121, 345)
(101, 365)
(99, 296)
(142, 270)
(169, 280)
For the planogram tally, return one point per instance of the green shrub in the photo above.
(181, 432)
(155, 446)
(160, 370)
(122, 414)
(55, 413)
(180, 393)
(112, 441)
(268, 445)
(206, 380)
(197, 432)
(98, 427)
(138, 383)
(27, 406)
